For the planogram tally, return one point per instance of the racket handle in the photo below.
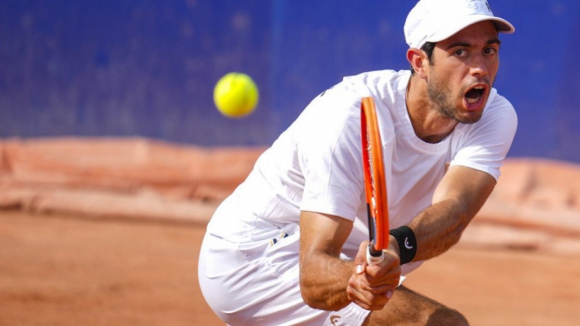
(374, 257)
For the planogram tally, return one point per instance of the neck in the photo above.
(428, 123)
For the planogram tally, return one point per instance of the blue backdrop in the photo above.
(147, 67)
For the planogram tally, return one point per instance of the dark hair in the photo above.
(428, 48)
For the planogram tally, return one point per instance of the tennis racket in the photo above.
(375, 184)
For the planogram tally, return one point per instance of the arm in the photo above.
(323, 275)
(457, 199)
(329, 283)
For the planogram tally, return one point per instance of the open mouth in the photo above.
(474, 94)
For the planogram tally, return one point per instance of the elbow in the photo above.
(462, 220)
(307, 288)
(309, 296)
(311, 302)
(462, 224)
(455, 238)
(316, 299)
(315, 303)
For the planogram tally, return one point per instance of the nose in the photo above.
(479, 66)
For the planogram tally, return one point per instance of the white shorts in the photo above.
(256, 283)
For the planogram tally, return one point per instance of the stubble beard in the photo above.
(440, 95)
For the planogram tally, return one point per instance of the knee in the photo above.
(447, 316)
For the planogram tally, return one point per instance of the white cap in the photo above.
(437, 20)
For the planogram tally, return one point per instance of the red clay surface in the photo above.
(71, 270)
(107, 232)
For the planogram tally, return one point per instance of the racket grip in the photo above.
(374, 257)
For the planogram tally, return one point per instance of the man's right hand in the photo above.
(370, 286)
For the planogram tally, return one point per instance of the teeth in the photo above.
(473, 100)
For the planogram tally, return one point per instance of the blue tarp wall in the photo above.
(148, 67)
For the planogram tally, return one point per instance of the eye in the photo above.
(490, 51)
(460, 53)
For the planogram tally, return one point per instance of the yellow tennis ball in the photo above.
(235, 95)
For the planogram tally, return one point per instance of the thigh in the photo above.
(408, 307)
(258, 284)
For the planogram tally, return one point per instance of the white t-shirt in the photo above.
(315, 165)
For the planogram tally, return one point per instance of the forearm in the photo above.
(457, 199)
(438, 228)
(323, 275)
(323, 281)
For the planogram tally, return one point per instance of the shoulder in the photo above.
(379, 84)
(484, 145)
(499, 116)
(337, 109)
(499, 106)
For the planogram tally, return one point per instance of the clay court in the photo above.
(70, 270)
(85, 243)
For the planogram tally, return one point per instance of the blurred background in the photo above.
(147, 68)
(113, 156)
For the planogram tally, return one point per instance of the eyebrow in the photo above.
(465, 44)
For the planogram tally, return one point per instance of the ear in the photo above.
(419, 61)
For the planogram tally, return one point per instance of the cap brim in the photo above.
(502, 25)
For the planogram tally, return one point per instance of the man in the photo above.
(288, 246)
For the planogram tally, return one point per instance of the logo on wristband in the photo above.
(407, 245)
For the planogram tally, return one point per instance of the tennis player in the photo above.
(288, 246)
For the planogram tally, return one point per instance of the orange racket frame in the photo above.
(375, 182)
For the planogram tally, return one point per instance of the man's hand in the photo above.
(371, 287)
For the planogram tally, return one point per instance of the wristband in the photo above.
(407, 243)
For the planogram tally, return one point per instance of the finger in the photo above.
(376, 277)
(383, 284)
(390, 266)
(383, 290)
(359, 292)
(359, 269)
(370, 301)
(360, 260)
(360, 281)
(378, 302)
